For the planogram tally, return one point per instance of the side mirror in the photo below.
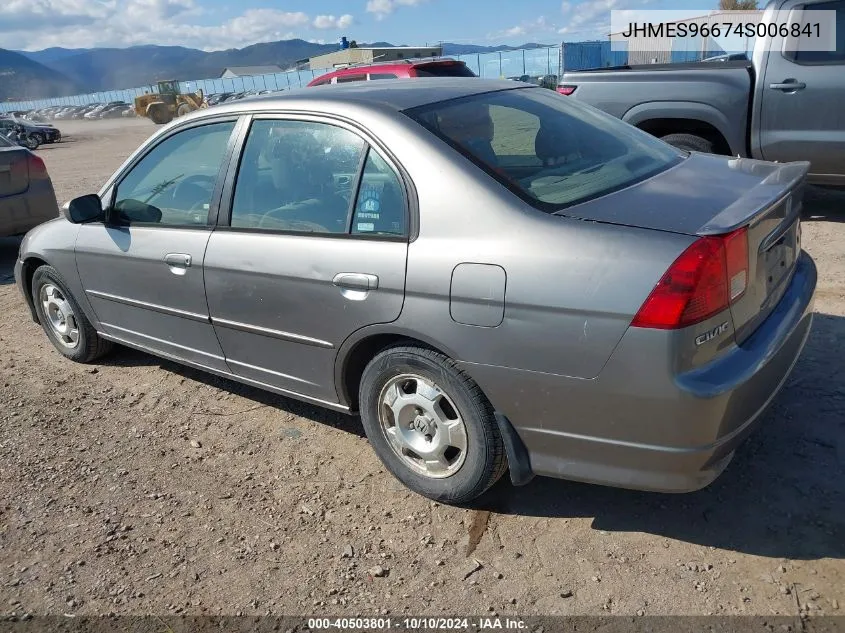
(85, 209)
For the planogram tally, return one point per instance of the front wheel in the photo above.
(431, 425)
(67, 327)
(31, 142)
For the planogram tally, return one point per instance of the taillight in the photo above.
(37, 168)
(566, 90)
(736, 258)
(706, 278)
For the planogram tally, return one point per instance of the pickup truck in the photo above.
(781, 104)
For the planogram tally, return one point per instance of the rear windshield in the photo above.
(551, 150)
(444, 70)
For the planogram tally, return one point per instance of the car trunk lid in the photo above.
(710, 195)
(14, 171)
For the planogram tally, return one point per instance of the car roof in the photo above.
(391, 94)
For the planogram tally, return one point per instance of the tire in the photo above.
(160, 115)
(690, 143)
(460, 427)
(63, 310)
(183, 110)
(31, 142)
(39, 138)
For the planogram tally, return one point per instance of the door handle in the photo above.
(177, 260)
(355, 281)
(789, 85)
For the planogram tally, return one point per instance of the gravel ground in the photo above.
(141, 487)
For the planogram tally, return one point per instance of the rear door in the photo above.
(803, 92)
(313, 247)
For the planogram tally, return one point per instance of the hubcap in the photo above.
(422, 426)
(59, 315)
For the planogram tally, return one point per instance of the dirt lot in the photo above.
(140, 487)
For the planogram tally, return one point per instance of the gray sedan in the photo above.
(26, 192)
(494, 276)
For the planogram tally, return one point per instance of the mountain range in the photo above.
(56, 72)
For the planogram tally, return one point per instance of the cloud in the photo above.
(538, 25)
(331, 22)
(37, 24)
(591, 16)
(383, 8)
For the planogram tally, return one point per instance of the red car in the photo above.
(404, 69)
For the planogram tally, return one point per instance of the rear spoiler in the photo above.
(775, 187)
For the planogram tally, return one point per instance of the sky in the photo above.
(220, 24)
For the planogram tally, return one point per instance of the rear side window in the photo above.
(551, 151)
(443, 70)
(380, 205)
(343, 79)
(836, 57)
(383, 76)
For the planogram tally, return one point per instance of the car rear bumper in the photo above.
(22, 212)
(642, 427)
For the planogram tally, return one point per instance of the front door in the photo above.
(803, 92)
(142, 270)
(315, 248)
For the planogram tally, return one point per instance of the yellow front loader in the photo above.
(169, 103)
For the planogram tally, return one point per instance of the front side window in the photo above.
(297, 176)
(836, 57)
(174, 183)
(550, 150)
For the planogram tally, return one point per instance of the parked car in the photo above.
(94, 113)
(407, 69)
(26, 192)
(43, 133)
(785, 105)
(115, 112)
(18, 135)
(217, 98)
(493, 276)
(65, 113)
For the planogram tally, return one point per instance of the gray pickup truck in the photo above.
(781, 105)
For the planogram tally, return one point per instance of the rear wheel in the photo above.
(67, 327)
(690, 143)
(431, 425)
(31, 142)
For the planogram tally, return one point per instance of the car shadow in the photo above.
(127, 357)
(824, 203)
(783, 495)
